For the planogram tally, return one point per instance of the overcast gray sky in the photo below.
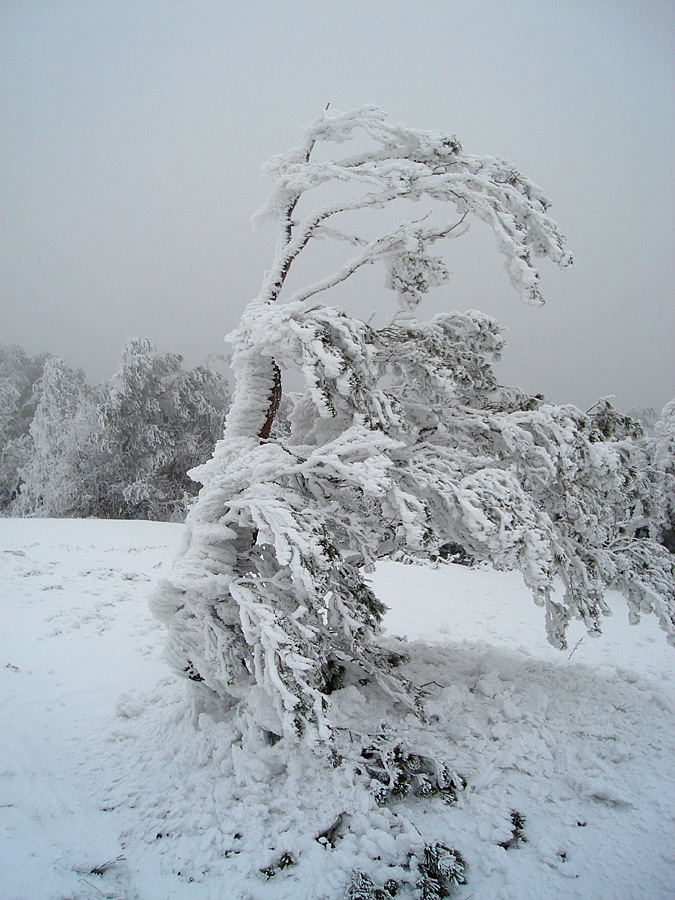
(133, 135)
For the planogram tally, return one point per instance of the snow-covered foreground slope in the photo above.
(105, 767)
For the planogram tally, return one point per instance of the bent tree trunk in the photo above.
(274, 403)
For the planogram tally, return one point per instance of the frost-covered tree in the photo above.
(158, 421)
(123, 448)
(400, 442)
(18, 376)
(664, 460)
(57, 476)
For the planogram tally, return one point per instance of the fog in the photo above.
(134, 132)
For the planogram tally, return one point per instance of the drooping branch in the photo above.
(410, 164)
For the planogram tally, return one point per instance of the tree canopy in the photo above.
(119, 449)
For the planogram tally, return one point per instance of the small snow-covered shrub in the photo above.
(517, 838)
(435, 874)
(362, 887)
(397, 772)
(441, 871)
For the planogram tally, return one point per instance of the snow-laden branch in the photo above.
(394, 241)
(413, 165)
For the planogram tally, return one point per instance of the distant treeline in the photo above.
(119, 449)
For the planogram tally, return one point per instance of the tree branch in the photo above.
(370, 253)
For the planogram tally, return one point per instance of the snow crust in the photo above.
(113, 785)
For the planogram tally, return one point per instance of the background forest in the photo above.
(118, 450)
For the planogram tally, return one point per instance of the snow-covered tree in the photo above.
(664, 459)
(18, 376)
(400, 442)
(158, 420)
(121, 449)
(64, 474)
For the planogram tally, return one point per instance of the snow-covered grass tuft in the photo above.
(558, 767)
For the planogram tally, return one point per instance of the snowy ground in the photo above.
(109, 786)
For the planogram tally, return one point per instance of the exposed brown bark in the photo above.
(275, 395)
(275, 400)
